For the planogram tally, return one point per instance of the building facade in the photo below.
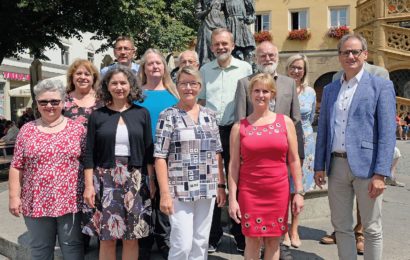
(15, 75)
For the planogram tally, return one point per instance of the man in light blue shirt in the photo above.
(220, 78)
(124, 51)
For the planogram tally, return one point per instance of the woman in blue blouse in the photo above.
(189, 168)
(159, 94)
(297, 68)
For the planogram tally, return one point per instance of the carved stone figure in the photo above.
(240, 14)
(211, 14)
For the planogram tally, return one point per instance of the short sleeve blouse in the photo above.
(77, 113)
(50, 165)
(191, 152)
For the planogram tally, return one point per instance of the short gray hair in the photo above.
(189, 51)
(52, 85)
(349, 36)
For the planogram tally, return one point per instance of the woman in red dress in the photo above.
(267, 145)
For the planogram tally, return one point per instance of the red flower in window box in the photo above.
(301, 35)
(338, 31)
(262, 36)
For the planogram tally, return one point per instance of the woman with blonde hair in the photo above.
(297, 68)
(263, 146)
(159, 93)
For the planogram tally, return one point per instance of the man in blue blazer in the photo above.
(355, 144)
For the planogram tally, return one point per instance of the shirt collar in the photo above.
(356, 78)
(234, 63)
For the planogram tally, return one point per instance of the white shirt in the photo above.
(341, 109)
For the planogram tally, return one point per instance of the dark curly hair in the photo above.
(135, 90)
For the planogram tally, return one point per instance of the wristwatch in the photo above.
(222, 186)
(301, 192)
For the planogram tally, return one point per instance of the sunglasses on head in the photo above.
(53, 102)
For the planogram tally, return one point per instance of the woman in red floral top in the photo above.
(44, 176)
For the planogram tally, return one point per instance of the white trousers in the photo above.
(190, 227)
(343, 187)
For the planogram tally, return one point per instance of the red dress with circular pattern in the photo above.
(263, 179)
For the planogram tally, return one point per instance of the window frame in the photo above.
(338, 8)
(262, 14)
(299, 10)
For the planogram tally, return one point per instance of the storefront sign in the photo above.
(16, 76)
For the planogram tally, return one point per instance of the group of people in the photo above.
(139, 158)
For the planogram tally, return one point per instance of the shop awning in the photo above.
(24, 91)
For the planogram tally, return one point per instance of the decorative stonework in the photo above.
(369, 35)
(398, 6)
(367, 13)
(398, 39)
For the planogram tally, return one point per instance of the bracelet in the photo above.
(222, 186)
(300, 192)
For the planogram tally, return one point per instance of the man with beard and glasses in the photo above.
(220, 78)
(124, 51)
(286, 102)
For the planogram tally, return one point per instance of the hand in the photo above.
(15, 206)
(234, 211)
(89, 196)
(297, 204)
(376, 186)
(152, 187)
(320, 178)
(221, 197)
(166, 205)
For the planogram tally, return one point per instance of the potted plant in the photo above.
(338, 31)
(301, 35)
(262, 36)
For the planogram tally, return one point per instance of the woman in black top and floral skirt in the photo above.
(117, 161)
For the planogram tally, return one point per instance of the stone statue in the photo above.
(211, 14)
(240, 14)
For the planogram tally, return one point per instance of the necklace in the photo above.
(49, 125)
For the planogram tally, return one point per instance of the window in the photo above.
(262, 22)
(298, 20)
(90, 56)
(65, 55)
(338, 16)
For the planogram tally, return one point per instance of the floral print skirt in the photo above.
(123, 205)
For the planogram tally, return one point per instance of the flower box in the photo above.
(262, 36)
(338, 31)
(301, 35)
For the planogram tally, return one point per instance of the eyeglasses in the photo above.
(124, 49)
(53, 102)
(192, 84)
(268, 55)
(294, 68)
(355, 53)
(188, 62)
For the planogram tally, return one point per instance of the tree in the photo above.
(38, 24)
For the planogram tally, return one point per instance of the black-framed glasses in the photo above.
(355, 53)
(53, 102)
(192, 84)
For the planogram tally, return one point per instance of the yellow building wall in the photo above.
(318, 22)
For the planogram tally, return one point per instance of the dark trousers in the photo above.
(162, 228)
(216, 227)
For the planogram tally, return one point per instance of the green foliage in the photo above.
(39, 24)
